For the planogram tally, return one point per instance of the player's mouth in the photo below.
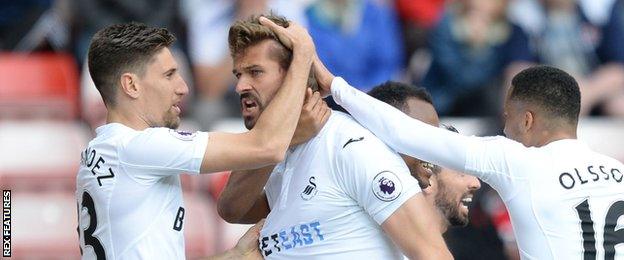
(249, 105)
(466, 201)
(176, 108)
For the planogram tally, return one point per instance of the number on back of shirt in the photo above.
(89, 239)
(612, 237)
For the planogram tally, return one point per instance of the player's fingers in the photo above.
(255, 229)
(315, 101)
(258, 226)
(307, 105)
(326, 113)
(320, 107)
(281, 32)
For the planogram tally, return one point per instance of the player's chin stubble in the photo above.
(450, 208)
(171, 121)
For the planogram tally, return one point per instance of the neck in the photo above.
(128, 119)
(550, 137)
(306, 130)
(443, 223)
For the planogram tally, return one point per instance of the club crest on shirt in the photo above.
(310, 190)
(182, 135)
(386, 186)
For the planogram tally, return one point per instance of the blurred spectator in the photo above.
(424, 13)
(613, 31)
(359, 40)
(32, 25)
(208, 23)
(612, 51)
(582, 38)
(473, 47)
(88, 16)
(418, 17)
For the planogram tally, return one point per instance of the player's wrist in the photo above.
(239, 253)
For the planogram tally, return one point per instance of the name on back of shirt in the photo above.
(590, 174)
(87, 158)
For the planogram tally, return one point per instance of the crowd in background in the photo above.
(464, 52)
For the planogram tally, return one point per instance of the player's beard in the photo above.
(250, 122)
(171, 120)
(446, 202)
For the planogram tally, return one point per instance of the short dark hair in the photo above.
(553, 90)
(249, 32)
(397, 93)
(120, 48)
(246, 33)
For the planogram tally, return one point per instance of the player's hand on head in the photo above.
(314, 115)
(323, 76)
(247, 246)
(294, 37)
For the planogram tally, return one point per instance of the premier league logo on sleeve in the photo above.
(386, 186)
(184, 136)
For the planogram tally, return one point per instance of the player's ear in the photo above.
(432, 187)
(529, 120)
(129, 85)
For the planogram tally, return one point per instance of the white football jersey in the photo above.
(565, 200)
(330, 195)
(128, 191)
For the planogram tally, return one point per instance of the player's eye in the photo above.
(237, 75)
(255, 73)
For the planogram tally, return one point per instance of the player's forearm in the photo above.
(401, 132)
(323, 76)
(241, 195)
(231, 254)
(277, 123)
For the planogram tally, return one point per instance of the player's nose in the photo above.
(242, 86)
(182, 89)
(473, 183)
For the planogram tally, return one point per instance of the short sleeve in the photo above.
(375, 176)
(160, 152)
(494, 160)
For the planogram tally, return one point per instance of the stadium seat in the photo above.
(200, 225)
(38, 154)
(38, 85)
(44, 225)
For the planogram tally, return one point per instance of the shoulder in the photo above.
(351, 142)
(157, 141)
(346, 133)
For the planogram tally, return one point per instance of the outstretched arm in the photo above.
(267, 142)
(401, 132)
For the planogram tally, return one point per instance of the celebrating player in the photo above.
(563, 198)
(449, 191)
(342, 194)
(128, 187)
